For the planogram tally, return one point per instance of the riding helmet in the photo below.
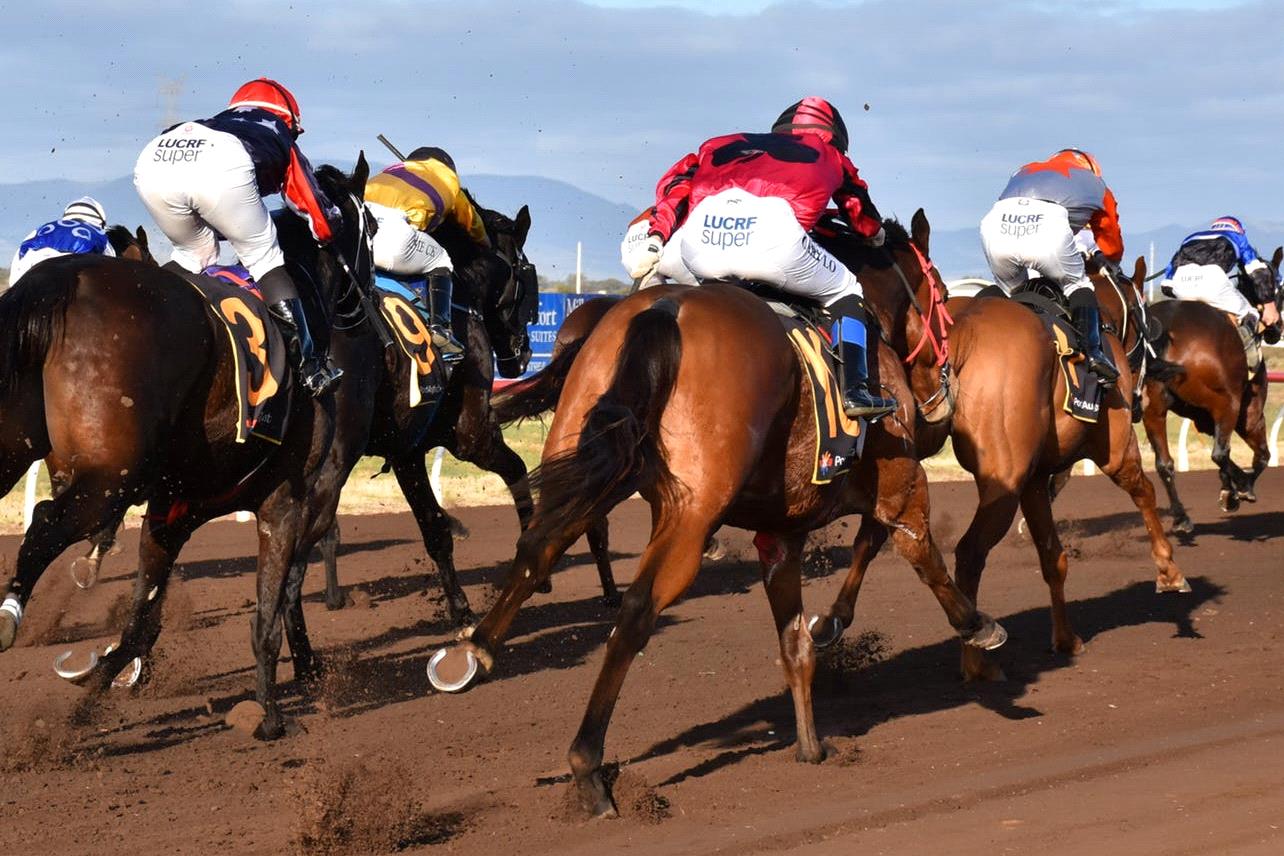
(1084, 160)
(817, 116)
(432, 153)
(1227, 224)
(267, 94)
(86, 209)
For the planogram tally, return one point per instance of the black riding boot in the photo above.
(851, 328)
(440, 288)
(282, 297)
(1086, 318)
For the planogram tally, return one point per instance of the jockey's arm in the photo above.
(305, 198)
(1105, 229)
(673, 190)
(855, 203)
(470, 220)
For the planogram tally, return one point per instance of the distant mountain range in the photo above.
(562, 214)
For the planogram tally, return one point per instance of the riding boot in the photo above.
(314, 370)
(850, 333)
(1086, 318)
(440, 288)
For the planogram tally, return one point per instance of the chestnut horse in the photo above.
(1204, 376)
(696, 398)
(118, 374)
(1010, 431)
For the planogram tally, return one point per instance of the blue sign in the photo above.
(553, 310)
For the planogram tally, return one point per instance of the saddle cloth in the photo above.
(839, 439)
(402, 308)
(1083, 389)
(258, 351)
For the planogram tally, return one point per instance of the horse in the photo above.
(1204, 376)
(696, 398)
(1011, 433)
(497, 290)
(117, 373)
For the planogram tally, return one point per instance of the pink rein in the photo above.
(935, 311)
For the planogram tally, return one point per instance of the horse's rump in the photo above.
(33, 316)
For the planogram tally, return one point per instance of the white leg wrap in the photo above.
(12, 606)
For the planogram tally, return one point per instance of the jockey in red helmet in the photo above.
(745, 203)
(207, 178)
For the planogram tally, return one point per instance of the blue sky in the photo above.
(1183, 102)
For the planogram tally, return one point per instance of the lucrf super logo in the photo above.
(721, 231)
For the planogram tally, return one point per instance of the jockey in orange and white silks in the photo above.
(81, 229)
(409, 200)
(207, 178)
(1218, 266)
(741, 207)
(1051, 216)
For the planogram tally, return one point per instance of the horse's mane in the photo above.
(855, 251)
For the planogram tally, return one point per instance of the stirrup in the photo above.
(872, 407)
(1103, 368)
(321, 379)
(450, 348)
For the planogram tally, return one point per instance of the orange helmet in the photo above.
(1084, 160)
(267, 94)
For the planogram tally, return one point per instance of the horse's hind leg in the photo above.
(668, 566)
(599, 545)
(997, 506)
(1155, 419)
(1232, 477)
(329, 547)
(828, 628)
(1036, 505)
(280, 528)
(434, 526)
(1252, 428)
(84, 570)
(1127, 473)
(782, 579)
(82, 509)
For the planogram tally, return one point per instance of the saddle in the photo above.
(263, 383)
(839, 439)
(402, 308)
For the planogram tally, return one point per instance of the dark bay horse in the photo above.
(118, 374)
(696, 398)
(1010, 432)
(1204, 376)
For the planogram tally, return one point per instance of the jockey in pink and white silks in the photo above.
(80, 229)
(206, 179)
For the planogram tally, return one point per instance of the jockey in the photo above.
(635, 241)
(80, 229)
(752, 199)
(409, 200)
(1207, 266)
(1051, 216)
(207, 178)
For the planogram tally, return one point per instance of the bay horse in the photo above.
(1010, 432)
(1204, 376)
(695, 397)
(117, 373)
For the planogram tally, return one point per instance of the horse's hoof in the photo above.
(1162, 587)
(1183, 526)
(76, 676)
(458, 530)
(336, 604)
(809, 756)
(1246, 495)
(1227, 501)
(1073, 648)
(453, 670)
(825, 631)
(8, 631)
(990, 636)
(715, 550)
(84, 572)
(127, 676)
(546, 587)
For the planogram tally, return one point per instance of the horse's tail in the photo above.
(1164, 370)
(538, 393)
(32, 315)
(620, 448)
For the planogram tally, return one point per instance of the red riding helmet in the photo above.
(1084, 159)
(267, 94)
(817, 116)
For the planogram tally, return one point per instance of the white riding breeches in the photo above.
(1021, 235)
(735, 234)
(402, 249)
(1210, 284)
(198, 184)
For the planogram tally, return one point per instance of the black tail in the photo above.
(620, 448)
(1164, 370)
(31, 318)
(537, 394)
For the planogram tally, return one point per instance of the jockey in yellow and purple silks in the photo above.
(410, 200)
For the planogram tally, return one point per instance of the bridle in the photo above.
(936, 321)
(1134, 310)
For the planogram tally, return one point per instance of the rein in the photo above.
(938, 338)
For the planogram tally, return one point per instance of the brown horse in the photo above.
(1204, 376)
(695, 398)
(118, 374)
(1010, 432)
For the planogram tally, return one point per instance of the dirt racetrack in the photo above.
(1166, 736)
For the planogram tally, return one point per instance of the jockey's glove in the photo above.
(648, 259)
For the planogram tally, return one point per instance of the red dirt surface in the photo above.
(1166, 736)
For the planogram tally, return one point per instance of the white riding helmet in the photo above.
(86, 209)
